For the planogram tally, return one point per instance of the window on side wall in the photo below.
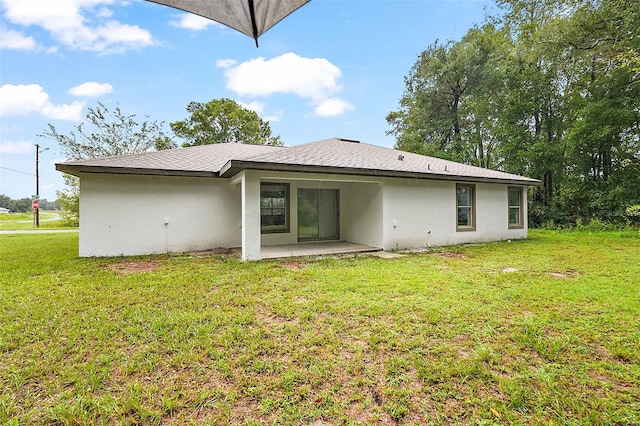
(516, 218)
(466, 206)
(274, 207)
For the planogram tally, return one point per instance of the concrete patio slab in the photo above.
(314, 249)
(387, 255)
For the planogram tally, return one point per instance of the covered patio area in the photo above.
(287, 214)
(314, 249)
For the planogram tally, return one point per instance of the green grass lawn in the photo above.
(49, 219)
(540, 331)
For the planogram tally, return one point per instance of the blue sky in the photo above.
(332, 68)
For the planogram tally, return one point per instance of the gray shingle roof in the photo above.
(337, 156)
(203, 160)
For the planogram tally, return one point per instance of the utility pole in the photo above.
(37, 209)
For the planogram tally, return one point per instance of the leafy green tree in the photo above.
(223, 121)
(538, 105)
(549, 89)
(633, 214)
(452, 98)
(103, 133)
(604, 138)
(49, 205)
(7, 203)
(106, 133)
(69, 200)
(22, 205)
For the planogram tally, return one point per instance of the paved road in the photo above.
(39, 231)
(56, 217)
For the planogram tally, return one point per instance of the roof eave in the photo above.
(77, 169)
(233, 167)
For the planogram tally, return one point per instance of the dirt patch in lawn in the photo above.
(565, 274)
(134, 266)
(268, 317)
(449, 255)
(294, 265)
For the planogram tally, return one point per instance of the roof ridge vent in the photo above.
(348, 140)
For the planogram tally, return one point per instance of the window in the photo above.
(274, 207)
(465, 202)
(515, 207)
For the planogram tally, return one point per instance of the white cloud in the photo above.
(104, 13)
(332, 107)
(273, 117)
(27, 99)
(259, 108)
(190, 21)
(15, 40)
(225, 63)
(314, 79)
(91, 88)
(256, 106)
(78, 24)
(10, 147)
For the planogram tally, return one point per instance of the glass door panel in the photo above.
(308, 214)
(328, 217)
(318, 214)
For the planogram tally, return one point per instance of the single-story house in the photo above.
(256, 196)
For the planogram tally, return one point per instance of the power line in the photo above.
(17, 171)
(29, 174)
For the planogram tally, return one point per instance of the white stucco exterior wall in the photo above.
(126, 214)
(422, 213)
(395, 213)
(363, 213)
(130, 215)
(413, 209)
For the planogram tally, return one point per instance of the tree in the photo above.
(578, 91)
(451, 102)
(605, 136)
(7, 203)
(108, 133)
(223, 121)
(69, 200)
(21, 205)
(24, 204)
(104, 133)
(550, 89)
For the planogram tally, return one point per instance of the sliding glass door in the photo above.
(318, 214)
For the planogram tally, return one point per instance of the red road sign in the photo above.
(35, 204)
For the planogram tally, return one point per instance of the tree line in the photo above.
(23, 205)
(545, 88)
(548, 89)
